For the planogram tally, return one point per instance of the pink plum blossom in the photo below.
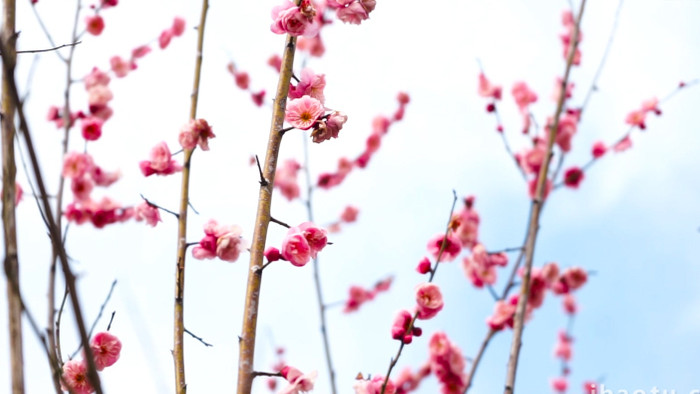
(75, 377)
(424, 266)
(598, 149)
(295, 248)
(357, 296)
(303, 112)
(487, 89)
(559, 384)
(523, 95)
(76, 164)
(573, 177)
(288, 18)
(503, 314)
(81, 188)
(164, 39)
(623, 144)
(178, 26)
(310, 84)
(447, 363)
(354, 13)
(452, 247)
(400, 329)
(429, 300)
(120, 67)
(349, 214)
(91, 128)
(569, 304)
(161, 162)
(148, 213)
(105, 349)
(94, 24)
(574, 277)
(96, 77)
(329, 128)
(196, 132)
(468, 224)
(224, 242)
(298, 382)
(374, 386)
(286, 179)
(272, 254)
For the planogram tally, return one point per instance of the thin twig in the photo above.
(271, 374)
(111, 319)
(321, 305)
(99, 316)
(159, 207)
(50, 49)
(198, 338)
(281, 223)
(594, 83)
(443, 244)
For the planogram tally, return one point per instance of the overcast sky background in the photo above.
(634, 220)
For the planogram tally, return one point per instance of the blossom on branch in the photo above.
(196, 132)
(224, 242)
(161, 162)
(105, 349)
(302, 113)
(75, 377)
(298, 382)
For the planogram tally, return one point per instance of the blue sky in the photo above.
(634, 220)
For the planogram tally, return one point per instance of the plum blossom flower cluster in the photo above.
(286, 179)
(222, 241)
(308, 17)
(242, 80)
(548, 277)
(196, 132)
(83, 174)
(380, 127)
(358, 295)
(374, 386)
(407, 381)
(349, 215)
(161, 162)
(106, 349)
(567, 38)
(298, 381)
(447, 363)
(301, 244)
(306, 110)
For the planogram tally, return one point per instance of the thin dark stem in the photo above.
(317, 275)
(99, 316)
(594, 83)
(111, 319)
(159, 207)
(281, 223)
(271, 374)
(50, 49)
(263, 182)
(395, 359)
(198, 338)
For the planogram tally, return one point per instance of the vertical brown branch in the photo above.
(535, 211)
(262, 220)
(179, 324)
(14, 305)
(54, 233)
